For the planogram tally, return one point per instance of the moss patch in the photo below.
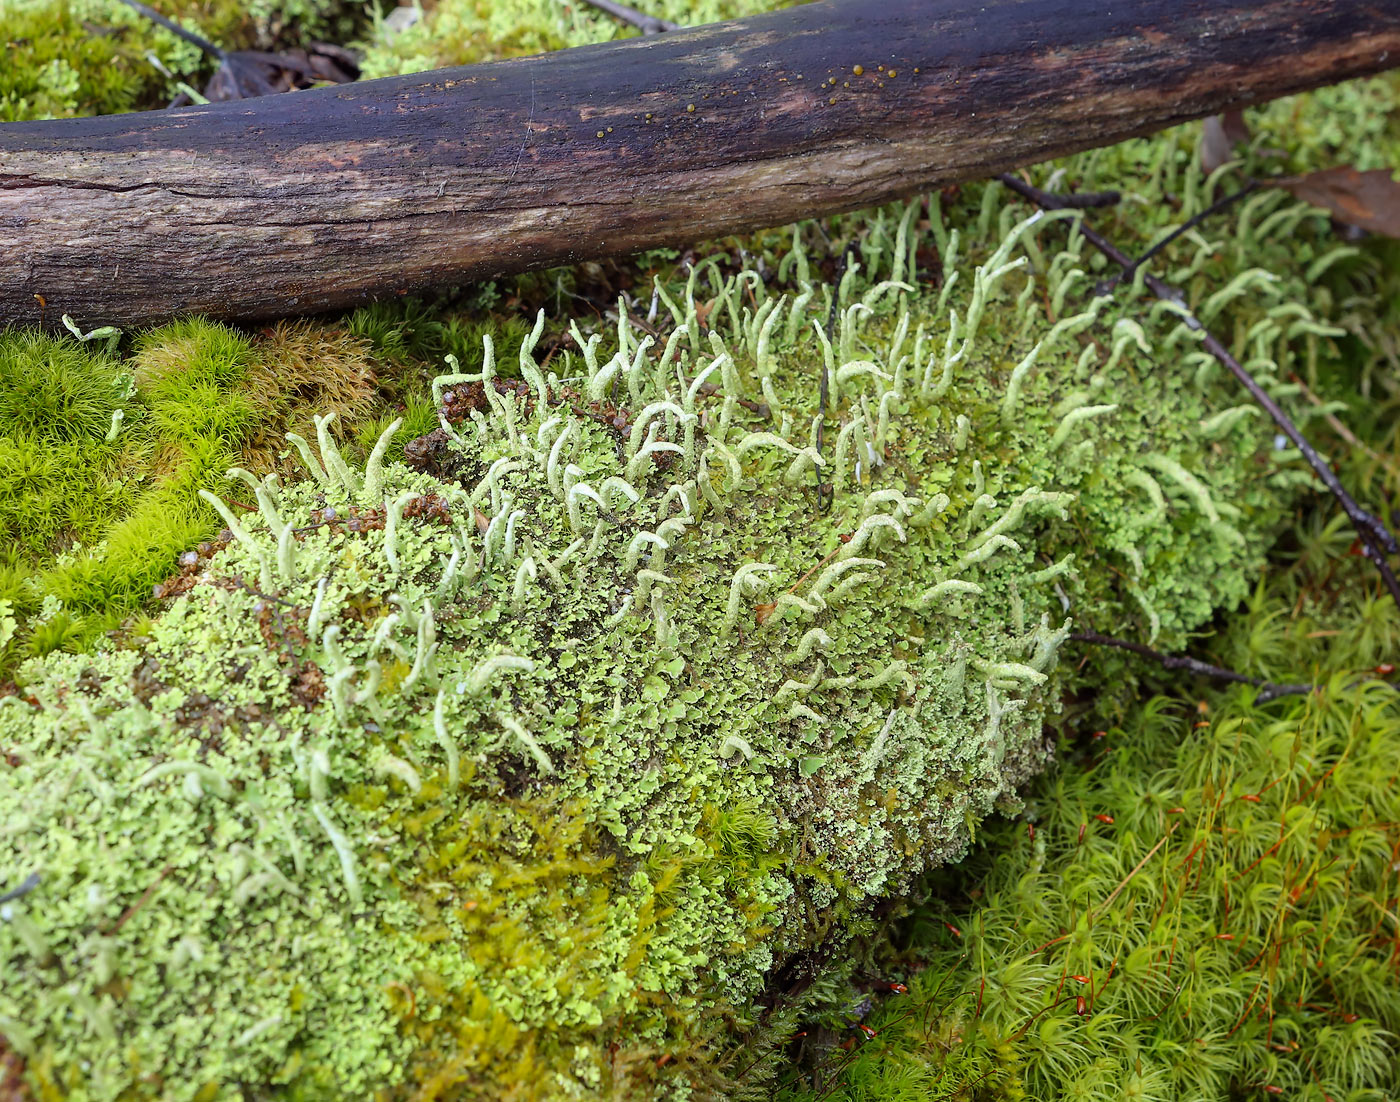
(1197, 905)
(104, 458)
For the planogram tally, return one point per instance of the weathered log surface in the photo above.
(327, 198)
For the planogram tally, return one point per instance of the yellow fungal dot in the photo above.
(858, 70)
(690, 107)
(600, 133)
(831, 100)
(610, 130)
(895, 72)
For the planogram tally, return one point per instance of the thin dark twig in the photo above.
(647, 24)
(1105, 286)
(1272, 690)
(175, 29)
(1377, 538)
(27, 885)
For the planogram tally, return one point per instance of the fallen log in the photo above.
(300, 203)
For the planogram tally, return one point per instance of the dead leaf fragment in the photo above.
(1370, 200)
(1219, 136)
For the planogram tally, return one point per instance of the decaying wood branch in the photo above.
(321, 199)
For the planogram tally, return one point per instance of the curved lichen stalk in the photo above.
(393, 799)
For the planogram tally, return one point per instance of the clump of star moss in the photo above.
(1199, 903)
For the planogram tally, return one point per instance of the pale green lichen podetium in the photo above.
(531, 783)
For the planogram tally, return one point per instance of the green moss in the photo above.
(101, 460)
(1209, 878)
(61, 58)
(51, 387)
(52, 67)
(464, 32)
(191, 352)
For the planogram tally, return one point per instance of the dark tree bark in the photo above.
(314, 200)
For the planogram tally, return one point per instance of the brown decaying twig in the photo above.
(127, 914)
(1376, 537)
(1103, 907)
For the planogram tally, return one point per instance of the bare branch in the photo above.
(1272, 690)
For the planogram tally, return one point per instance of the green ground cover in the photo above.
(533, 769)
(1198, 902)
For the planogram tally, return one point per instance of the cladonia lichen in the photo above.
(418, 780)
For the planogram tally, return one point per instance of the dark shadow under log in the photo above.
(314, 200)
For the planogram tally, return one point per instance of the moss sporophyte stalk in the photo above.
(434, 788)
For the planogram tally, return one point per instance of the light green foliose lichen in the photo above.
(531, 778)
(1188, 905)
